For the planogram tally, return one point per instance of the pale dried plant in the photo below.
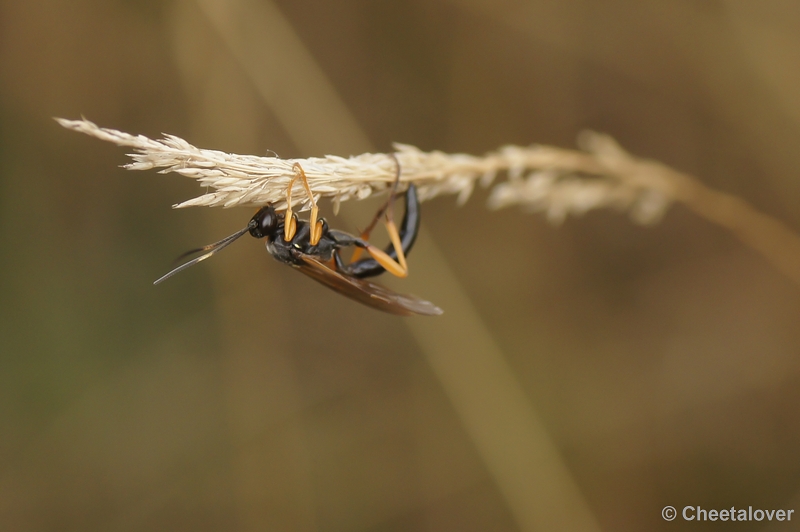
(557, 181)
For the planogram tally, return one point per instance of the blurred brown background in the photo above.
(662, 363)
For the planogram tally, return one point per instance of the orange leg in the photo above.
(397, 267)
(400, 266)
(290, 226)
(388, 209)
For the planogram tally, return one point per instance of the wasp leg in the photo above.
(399, 269)
(386, 208)
(408, 230)
(291, 224)
(391, 228)
(383, 259)
(337, 261)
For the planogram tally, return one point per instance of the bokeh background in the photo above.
(582, 377)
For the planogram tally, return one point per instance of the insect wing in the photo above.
(370, 294)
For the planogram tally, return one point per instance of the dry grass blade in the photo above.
(247, 180)
(557, 181)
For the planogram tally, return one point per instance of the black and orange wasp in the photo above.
(313, 248)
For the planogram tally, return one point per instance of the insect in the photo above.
(313, 248)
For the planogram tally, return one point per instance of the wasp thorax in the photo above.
(264, 222)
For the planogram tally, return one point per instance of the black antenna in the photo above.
(211, 249)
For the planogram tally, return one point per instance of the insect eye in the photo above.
(264, 222)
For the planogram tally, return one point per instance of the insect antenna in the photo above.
(207, 251)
